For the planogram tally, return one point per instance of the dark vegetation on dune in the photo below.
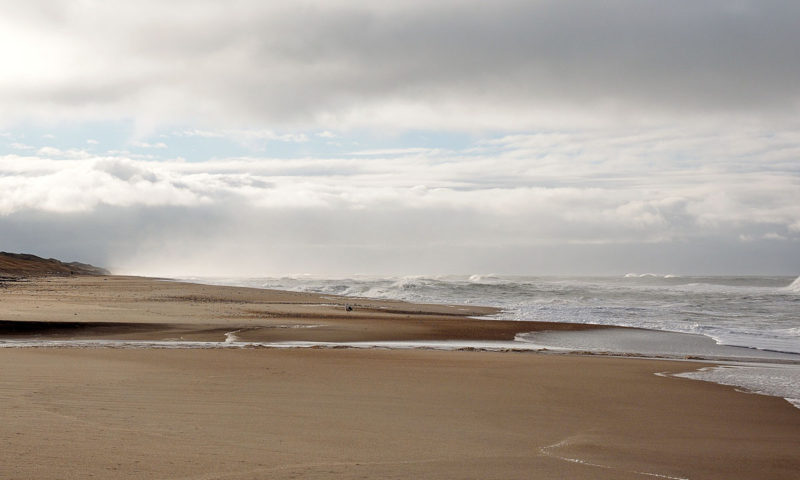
(17, 265)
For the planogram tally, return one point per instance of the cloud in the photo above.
(53, 152)
(773, 236)
(397, 151)
(453, 65)
(221, 240)
(617, 187)
(141, 144)
(254, 139)
(596, 126)
(198, 133)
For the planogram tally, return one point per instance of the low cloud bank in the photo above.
(562, 191)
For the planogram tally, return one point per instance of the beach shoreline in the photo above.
(348, 413)
(98, 307)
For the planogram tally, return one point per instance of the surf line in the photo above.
(231, 337)
(546, 451)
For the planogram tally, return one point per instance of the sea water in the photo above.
(759, 312)
(754, 320)
(752, 313)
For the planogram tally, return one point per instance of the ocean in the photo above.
(755, 319)
(748, 325)
(759, 312)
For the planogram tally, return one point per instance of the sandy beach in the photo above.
(344, 413)
(454, 240)
(143, 308)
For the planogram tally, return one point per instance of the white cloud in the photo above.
(626, 122)
(140, 144)
(198, 133)
(269, 135)
(49, 152)
(252, 138)
(397, 151)
(592, 187)
(56, 153)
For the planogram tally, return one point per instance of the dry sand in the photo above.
(321, 413)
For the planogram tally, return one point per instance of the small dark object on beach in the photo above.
(348, 307)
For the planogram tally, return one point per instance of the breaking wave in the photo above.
(794, 286)
(748, 311)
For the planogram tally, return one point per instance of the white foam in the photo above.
(232, 342)
(488, 278)
(768, 379)
(765, 379)
(756, 312)
(654, 343)
(548, 451)
(231, 337)
(778, 340)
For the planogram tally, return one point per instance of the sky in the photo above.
(402, 137)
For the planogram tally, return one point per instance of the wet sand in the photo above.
(150, 309)
(333, 413)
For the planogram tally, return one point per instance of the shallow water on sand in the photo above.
(761, 312)
(748, 318)
(768, 373)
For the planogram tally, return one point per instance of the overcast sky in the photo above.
(407, 137)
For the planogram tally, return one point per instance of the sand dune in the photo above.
(15, 265)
